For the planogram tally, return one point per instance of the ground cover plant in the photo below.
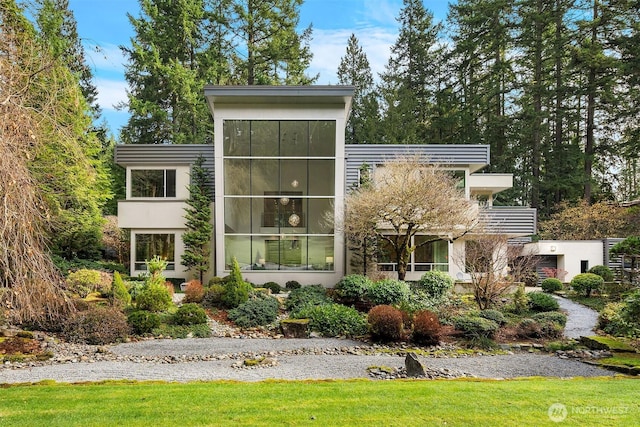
(525, 402)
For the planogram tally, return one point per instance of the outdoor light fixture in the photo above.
(552, 248)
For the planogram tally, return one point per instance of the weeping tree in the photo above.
(408, 197)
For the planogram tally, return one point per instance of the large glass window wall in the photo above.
(279, 186)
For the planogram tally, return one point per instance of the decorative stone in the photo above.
(413, 366)
(295, 328)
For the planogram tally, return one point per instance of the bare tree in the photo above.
(409, 197)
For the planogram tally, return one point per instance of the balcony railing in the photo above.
(512, 220)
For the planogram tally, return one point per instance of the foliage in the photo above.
(494, 315)
(586, 283)
(602, 271)
(584, 222)
(274, 287)
(143, 322)
(426, 328)
(435, 284)
(154, 297)
(387, 292)
(539, 302)
(629, 246)
(292, 284)
(156, 265)
(97, 325)
(236, 290)
(197, 237)
(331, 320)
(551, 285)
(182, 331)
(83, 282)
(385, 323)
(190, 314)
(121, 295)
(194, 292)
(213, 296)
(520, 300)
(352, 288)
(541, 328)
(258, 311)
(409, 197)
(614, 320)
(476, 327)
(551, 316)
(306, 296)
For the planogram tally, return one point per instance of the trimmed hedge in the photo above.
(476, 327)
(385, 323)
(539, 301)
(587, 283)
(258, 311)
(551, 285)
(332, 320)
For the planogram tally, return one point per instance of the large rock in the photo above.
(295, 328)
(413, 366)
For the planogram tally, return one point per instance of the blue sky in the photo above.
(103, 27)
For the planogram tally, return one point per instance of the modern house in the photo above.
(281, 171)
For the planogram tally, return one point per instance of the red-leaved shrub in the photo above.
(426, 328)
(194, 292)
(385, 323)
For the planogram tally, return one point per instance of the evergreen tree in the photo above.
(197, 238)
(354, 70)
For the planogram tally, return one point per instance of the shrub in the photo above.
(385, 323)
(121, 296)
(532, 328)
(387, 292)
(352, 288)
(587, 283)
(436, 284)
(520, 300)
(135, 288)
(83, 282)
(613, 320)
(213, 296)
(476, 327)
(602, 271)
(331, 320)
(182, 331)
(292, 284)
(143, 322)
(154, 297)
(426, 328)
(236, 290)
(494, 315)
(309, 295)
(551, 285)
(194, 292)
(190, 314)
(98, 325)
(551, 316)
(539, 301)
(273, 286)
(258, 311)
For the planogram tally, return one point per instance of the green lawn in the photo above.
(603, 402)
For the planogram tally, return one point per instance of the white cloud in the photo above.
(111, 92)
(105, 57)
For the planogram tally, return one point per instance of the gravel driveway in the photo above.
(296, 359)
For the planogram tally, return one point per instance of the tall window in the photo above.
(153, 183)
(279, 186)
(150, 245)
(433, 255)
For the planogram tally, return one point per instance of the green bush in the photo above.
(476, 327)
(190, 314)
(587, 283)
(273, 286)
(182, 331)
(435, 284)
(551, 316)
(308, 295)
(352, 288)
(426, 328)
(236, 290)
(292, 284)
(551, 285)
(83, 282)
(532, 328)
(154, 297)
(97, 325)
(213, 296)
(258, 311)
(602, 271)
(520, 300)
(614, 321)
(494, 315)
(121, 296)
(143, 322)
(331, 320)
(387, 292)
(539, 301)
(385, 323)
(135, 288)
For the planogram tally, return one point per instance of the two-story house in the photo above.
(281, 170)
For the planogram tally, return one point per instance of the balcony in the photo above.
(514, 221)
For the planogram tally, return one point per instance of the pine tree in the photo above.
(197, 238)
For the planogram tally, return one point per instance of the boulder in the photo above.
(413, 366)
(295, 328)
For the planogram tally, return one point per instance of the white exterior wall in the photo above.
(224, 112)
(570, 253)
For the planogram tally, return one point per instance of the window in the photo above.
(432, 255)
(153, 183)
(150, 245)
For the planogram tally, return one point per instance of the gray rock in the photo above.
(413, 366)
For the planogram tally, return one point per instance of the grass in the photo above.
(595, 302)
(622, 359)
(605, 402)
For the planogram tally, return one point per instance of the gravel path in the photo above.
(581, 320)
(328, 362)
